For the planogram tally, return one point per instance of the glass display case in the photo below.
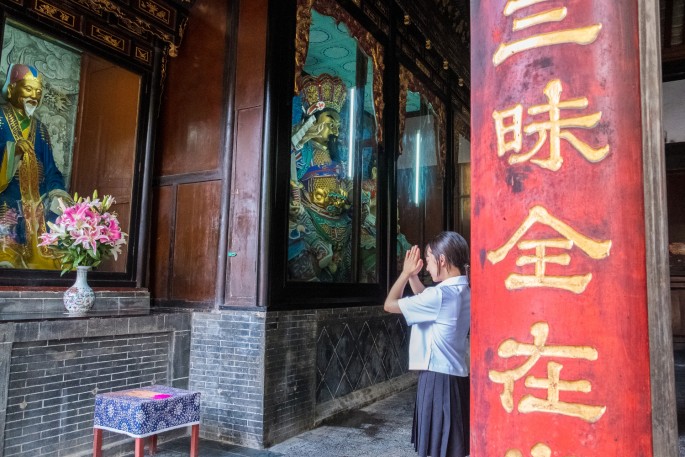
(420, 166)
(80, 89)
(332, 232)
(77, 141)
(364, 161)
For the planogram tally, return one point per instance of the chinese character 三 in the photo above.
(581, 35)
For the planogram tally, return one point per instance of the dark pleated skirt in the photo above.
(441, 416)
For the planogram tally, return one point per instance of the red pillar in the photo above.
(560, 331)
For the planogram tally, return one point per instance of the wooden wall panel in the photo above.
(196, 241)
(675, 186)
(163, 206)
(190, 142)
(677, 303)
(244, 212)
(243, 224)
(251, 54)
(192, 123)
(678, 307)
(189, 157)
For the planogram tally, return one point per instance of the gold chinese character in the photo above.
(574, 283)
(515, 128)
(539, 450)
(581, 35)
(556, 126)
(553, 384)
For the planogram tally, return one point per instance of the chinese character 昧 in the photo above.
(574, 283)
(539, 450)
(553, 383)
(581, 35)
(555, 127)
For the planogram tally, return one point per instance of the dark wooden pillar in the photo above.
(664, 420)
(247, 161)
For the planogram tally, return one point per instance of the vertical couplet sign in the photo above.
(560, 349)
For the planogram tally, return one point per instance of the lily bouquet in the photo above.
(85, 234)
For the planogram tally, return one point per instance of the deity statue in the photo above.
(30, 182)
(320, 219)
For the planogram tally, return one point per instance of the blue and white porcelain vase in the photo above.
(79, 298)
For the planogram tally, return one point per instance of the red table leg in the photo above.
(195, 440)
(153, 444)
(140, 447)
(97, 442)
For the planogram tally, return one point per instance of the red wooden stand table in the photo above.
(143, 413)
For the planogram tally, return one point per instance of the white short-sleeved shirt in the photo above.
(440, 318)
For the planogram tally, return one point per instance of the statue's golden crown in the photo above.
(322, 92)
(30, 77)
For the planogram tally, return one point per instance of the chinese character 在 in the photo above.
(553, 382)
(581, 35)
(556, 128)
(539, 450)
(574, 283)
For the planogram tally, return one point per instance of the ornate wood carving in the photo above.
(108, 38)
(144, 55)
(382, 8)
(378, 20)
(127, 28)
(45, 9)
(445, 18)
(158, 12)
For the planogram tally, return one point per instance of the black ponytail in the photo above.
(455, 249)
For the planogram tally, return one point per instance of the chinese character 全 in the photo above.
(574, 283)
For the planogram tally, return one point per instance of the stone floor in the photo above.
(380, 429)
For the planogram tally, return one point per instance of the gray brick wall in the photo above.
(357, 348)
(226, 366)
(51, 370)
(52, 386)
(7, 332)
(259, 372)
(290, 377)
